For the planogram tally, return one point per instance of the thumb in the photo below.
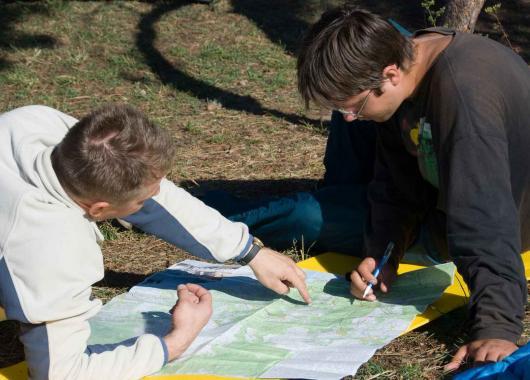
(185, 295)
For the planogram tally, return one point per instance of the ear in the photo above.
(96, 209)
(393, 74)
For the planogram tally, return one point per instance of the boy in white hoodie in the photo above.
(60, 176)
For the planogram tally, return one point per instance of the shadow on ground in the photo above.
(11, 350)
(283, 21)
(251, 188)
(180, 81)
(115, 279)
(11, 39)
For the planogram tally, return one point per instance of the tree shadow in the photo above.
(11, 39)
(173, 75)
(281, 20)
(11, 350)
(284, 21)
(115, 279)
(253, 189)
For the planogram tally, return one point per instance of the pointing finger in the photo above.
(458, 359)
(301, 286)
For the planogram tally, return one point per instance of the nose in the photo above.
(348, 117)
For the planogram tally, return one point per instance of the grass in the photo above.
(221, 78)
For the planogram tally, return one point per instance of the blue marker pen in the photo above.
(382, 263)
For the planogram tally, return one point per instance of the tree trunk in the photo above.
(462, 15)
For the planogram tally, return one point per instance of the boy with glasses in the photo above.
(453, 129)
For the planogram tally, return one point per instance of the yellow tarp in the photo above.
(454, 296)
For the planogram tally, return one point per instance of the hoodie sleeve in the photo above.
(184, 221)
(45, 283)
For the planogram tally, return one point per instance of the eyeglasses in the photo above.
(357, 114)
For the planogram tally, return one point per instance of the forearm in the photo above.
(184, 221)
(392, 218)
(58, 351)
(177, 342)
(483, 233)
(496, 280)
(398, 196)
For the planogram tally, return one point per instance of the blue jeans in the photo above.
(331, 218)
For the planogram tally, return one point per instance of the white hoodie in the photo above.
(50, 254)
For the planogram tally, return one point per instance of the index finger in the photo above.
(299, 272)
(185, 295)
(458, 359)
(301, 286)
(366, 268)
(358, 286)
(198, 290)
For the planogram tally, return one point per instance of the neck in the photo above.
(85, 205)
(427, 48)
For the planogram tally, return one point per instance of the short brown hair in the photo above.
(344, 54)
(111, 153)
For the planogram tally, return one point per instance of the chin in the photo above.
(382, 118)
(378, 119)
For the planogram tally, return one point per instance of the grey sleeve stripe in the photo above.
(8, 295)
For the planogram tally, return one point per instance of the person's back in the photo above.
(478, 93)
(468, 127)
(37, 218)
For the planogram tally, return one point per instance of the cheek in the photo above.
(384, 111)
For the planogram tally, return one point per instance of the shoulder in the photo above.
(51, 237)
(36, 117)
(471, 60)
(473, 81)
(43, 218)
(52, 258)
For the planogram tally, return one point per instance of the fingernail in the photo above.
(181, 286)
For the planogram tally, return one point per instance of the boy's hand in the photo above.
(279, 273)
(191, 312)
(482, 351)
(363, 275)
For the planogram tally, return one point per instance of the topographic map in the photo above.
(254, 332)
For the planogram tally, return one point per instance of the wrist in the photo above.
(176, 344)
(255, 248)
